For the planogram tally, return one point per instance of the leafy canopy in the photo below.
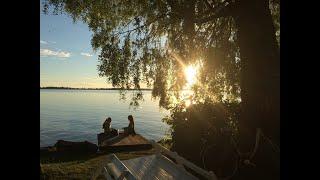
(150, 42)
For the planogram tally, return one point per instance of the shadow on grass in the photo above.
(59, 157)
(52, 156)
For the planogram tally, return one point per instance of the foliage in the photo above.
(146, 42)
(208, 129)
(275, 12)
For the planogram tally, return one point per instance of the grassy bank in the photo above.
(84, 166)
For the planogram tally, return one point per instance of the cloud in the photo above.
(48, 52)
(86, 54)
(43, 42)
(47, 42)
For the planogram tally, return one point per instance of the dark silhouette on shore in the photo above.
(108, 131)
(130, 128)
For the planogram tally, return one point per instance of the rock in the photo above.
(75, 147)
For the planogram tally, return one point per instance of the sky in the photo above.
(66, 55)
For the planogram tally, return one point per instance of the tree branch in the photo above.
(223, 9)
(208, 4)
(142, 26)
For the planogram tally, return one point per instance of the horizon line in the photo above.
(112, 88)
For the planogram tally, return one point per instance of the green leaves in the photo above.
(140, 40)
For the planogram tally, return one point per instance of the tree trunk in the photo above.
(260, 83)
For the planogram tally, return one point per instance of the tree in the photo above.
(150, 41)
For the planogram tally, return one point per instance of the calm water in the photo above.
(77, 115)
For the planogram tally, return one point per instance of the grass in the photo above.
(73, 169)
(84, 168)
(166, 142)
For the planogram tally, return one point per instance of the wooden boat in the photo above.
(123, 142)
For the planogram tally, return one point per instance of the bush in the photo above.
(203, 129)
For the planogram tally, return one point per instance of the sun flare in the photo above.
(190, 74)
(187, 102)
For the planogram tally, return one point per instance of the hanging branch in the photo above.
(141, 26)
(223, 9)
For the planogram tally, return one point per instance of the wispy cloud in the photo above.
(43, 42)
(47, 42)
(86, 54)
(60, 54)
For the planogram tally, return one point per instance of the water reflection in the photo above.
(78, 114)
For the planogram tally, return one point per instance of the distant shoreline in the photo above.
(71, 88)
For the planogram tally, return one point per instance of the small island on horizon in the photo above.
(72, 88)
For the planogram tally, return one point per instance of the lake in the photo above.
(77, 115)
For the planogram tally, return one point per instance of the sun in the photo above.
(190, 74)
(187, 102)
